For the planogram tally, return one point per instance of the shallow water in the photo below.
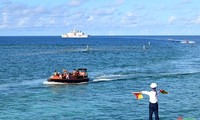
(117, 66)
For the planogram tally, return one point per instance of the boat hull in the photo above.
(66, 36)
(187, 42)
(69, 80)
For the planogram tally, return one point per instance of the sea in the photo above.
(117, 66)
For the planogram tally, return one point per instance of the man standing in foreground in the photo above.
(153, 101)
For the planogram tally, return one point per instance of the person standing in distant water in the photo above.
(153, 101)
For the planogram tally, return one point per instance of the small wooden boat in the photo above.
(77, 76)
(187, 41)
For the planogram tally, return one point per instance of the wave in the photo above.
(135, 76)
(61, 51)
(80, 49)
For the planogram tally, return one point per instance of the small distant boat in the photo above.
(77, 76)
(87, 48)
(187, 41)
(74, 34)
(170, 39)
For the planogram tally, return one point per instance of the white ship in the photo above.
(74, 34)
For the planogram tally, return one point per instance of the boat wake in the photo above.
(136, 76)
(111, 77)
(100, 78)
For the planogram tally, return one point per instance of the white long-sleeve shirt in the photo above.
(153, 97)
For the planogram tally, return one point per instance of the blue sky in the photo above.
(100, 17)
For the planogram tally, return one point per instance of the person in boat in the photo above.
(75, 73)
(82, 74)
(55, 73)
(153, 101)
(65, 74)
(60, 75)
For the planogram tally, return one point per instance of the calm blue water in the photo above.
(117, 66)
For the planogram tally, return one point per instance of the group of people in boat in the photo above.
(66, 74)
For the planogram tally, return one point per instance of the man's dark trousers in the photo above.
(153, 108)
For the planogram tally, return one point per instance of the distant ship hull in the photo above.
(67, 36)
(74, 34)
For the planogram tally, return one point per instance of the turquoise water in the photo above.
(117, 66)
